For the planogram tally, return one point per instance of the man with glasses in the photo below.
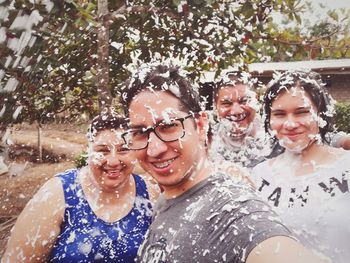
(168, 131)
(202, 216)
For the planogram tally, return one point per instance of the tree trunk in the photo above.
(4, 148)
(40, 146)
(103, 88)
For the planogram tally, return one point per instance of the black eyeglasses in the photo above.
(167, 131)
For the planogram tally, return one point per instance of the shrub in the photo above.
(81, 159)
(342, 117)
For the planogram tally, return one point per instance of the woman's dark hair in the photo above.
(312, 84)
(162, 78)
(108, 119)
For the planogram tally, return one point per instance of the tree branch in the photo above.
(308, 42)
(123, 10)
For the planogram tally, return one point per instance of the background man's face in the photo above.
(233, 104)
(169, 163)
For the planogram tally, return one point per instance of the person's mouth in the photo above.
(238, 117)
(238, 125)
(113, 173)
(293, 136)
(164, 165)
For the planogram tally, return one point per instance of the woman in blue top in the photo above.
(99, 213)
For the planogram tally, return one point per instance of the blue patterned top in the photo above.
(86, 238)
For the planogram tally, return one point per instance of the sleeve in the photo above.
(243, 224)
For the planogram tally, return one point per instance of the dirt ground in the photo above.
(61, 143)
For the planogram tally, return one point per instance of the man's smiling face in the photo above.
(170, 163)
(232, 104)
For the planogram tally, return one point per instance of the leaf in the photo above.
(176, 2)
(333, 14)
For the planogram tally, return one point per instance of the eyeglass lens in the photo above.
(166, 131)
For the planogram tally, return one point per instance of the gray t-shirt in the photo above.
(218, 220)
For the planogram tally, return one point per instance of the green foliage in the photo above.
(208, 35)
(327, 38)
(81, 159)
(342, 117)
(56, 78)
(60, 75)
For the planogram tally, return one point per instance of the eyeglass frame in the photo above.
(153, 129)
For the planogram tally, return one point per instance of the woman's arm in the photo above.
(283, 249)
(340, 140)
(344, 142)
(38, 226)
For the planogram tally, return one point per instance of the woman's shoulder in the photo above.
(265, 165)
(56, 189)
(341, 152)
(68, 174)
(48, 201)
(342, 157)
(263, 169)
(52, 189)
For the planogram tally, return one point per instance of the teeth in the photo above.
(239, 117)
(163, 164)
(113, 171)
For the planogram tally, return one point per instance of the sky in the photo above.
(319, 12)
(329, 4)
(333, 3)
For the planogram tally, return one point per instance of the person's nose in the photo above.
(113, 159)
(155, 145)
(236, 109)
(290, 123)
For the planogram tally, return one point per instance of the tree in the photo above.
(34, 83)
(65, 66)
(300, 39)
(103, 88)
(52, 77)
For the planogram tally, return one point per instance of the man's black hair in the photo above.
(162, 78)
